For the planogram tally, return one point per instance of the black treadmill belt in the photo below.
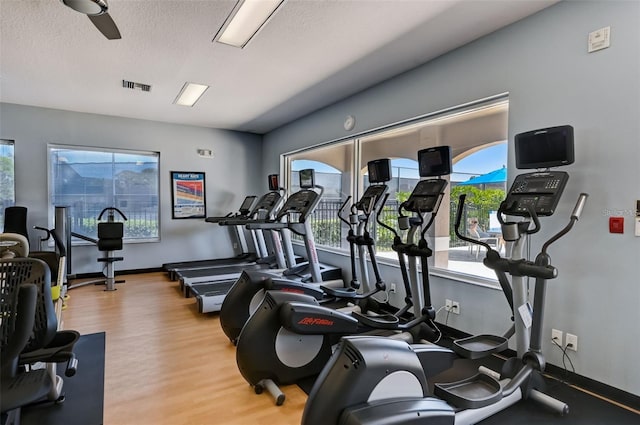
(213, 271)
(212, 288)
(217, 262)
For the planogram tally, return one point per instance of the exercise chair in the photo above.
(47, 344)
(110, 234)
(30, 336)
(18, 304)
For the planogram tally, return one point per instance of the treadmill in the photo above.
(294, 216)
(219, 278)
(244, 257)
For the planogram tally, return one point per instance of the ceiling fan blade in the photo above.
(105, 24)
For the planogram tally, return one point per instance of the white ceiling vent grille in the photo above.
(135, 86)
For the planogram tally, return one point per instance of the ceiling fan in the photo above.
(96, 10)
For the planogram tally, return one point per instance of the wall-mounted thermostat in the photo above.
(205, 153)
(599, 39)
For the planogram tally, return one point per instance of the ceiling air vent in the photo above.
(135, 86)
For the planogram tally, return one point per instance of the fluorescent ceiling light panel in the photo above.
(246, 20)
(190, 94)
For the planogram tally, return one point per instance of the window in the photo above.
(333, 166)
(482, 176)
(7, 177)
(476, 132)
(404, 177)
(87, 180)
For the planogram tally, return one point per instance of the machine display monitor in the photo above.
(246, 204)
(274, 184)
(307, 178)
(379, 170)
(434, 161)
(370, 197)
(544, 148)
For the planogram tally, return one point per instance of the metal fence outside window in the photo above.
(328, 228)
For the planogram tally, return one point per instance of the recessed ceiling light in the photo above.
(190, 94)
(245, 20)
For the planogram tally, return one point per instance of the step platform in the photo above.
(474, 392)
(479, 346)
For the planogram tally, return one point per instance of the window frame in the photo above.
(12, 201)
(357, 185)
(51, 147)
(287, 167)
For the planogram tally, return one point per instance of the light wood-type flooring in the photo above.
(165, 362)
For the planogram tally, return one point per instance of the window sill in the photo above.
(77, 242)
(443, 273)
(466, 278)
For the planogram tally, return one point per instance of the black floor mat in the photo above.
(84, 392)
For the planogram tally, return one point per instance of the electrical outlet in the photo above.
(448, 304)
(455, 307)
(392, 288)
(572, 342)
(556, 336)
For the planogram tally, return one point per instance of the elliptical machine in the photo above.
(425, 199)
(290, 336)
(356, 387)
(359, 238)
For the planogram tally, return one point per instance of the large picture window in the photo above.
(87, 180)
(477, 134)
(333, 172)
(7, 177)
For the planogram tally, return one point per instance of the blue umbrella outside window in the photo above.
(493, 177)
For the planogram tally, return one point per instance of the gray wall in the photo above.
(227, 181)
(543, 63)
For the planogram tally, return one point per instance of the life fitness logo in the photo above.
(313, 321)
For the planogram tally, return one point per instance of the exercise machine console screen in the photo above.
(436, 161)
(307, 178)
(379, 170)
(539, 192)
(245, 208)
(427, 194)
(544, 148)
(274, 184)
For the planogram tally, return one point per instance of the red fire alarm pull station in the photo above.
(616, 224)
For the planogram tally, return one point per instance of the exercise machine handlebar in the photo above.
(51, 234)
(111, 210)
(342, 207)
(461, 201)
(575, 216)
(380, 222)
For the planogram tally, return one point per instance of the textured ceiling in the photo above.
(309, 55)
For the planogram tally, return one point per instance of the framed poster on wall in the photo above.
(188, 195)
